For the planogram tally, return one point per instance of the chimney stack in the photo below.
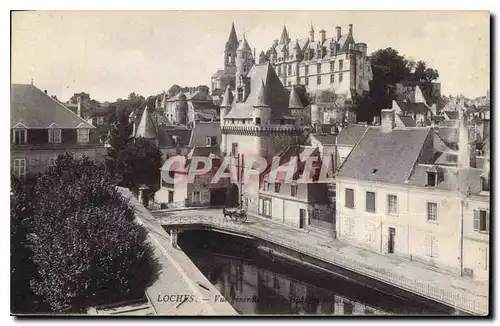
(79, 107)
(339, 32)
(323, 35)
(387, 120)
(45, 91)
(350, 29)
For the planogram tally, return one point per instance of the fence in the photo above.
(452, 298)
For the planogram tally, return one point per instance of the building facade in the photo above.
(42, 128)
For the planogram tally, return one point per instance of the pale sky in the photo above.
(111, 54)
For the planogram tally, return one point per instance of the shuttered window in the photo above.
(349, 198)
(370, 201)
(481, 220)
(431, 245)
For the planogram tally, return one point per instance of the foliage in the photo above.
(84, 96)
(390, 68)
(86, 245)
(132, 161)
(22, 269)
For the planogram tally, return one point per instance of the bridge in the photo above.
(449, 289)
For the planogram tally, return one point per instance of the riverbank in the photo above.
(181, 288)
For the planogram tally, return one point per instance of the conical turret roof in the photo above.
(294, 102)
(147, 127)
(262, 97)
(244, 45)
(284, 36)
(227, 101)
(296, 46)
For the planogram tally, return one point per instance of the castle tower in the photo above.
(261, 112)
(295, 105)
(230, 51)
(244, 62)
(284, 39)
(181, 109)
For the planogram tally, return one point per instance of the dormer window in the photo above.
(19, 136)
(211, 141)
(257, 121)
(83, 136)
(240, 94)
(431, 179)
(485, 183)
(54, 135)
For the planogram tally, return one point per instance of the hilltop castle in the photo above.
(336, 63)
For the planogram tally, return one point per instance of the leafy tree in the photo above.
(22, 268)
(173, 90)
(86, 245)
(132, 161)
(390, 68)
(83, 95)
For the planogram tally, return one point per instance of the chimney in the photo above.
(350, 29)
(387, 120)
(463, 142)
(45, 91)
(79, 107)
(376, 120)
(339, 32)
(323, 35)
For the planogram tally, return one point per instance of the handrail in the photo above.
(450, 298)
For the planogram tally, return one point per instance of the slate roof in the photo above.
(350, 134)
(202, 130)
(407, 121)
(452, 115)
(325, 139)
(147, 127)
(179, 134)
(34, 109)
(384, 156)
(227, 102)
(233, 39)
(284, 36)
(449, 123)
(199, 96)
(294, 102)
(218, 73)
(450, 136)
(244, 45)
(453, 178)
(417, 108)
(303, 153)
(278, 95)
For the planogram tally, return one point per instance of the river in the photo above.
(254, 282)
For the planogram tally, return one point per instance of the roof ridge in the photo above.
(59, 103)
(356, 144)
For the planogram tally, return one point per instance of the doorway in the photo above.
(302, 218)
(170, 196)
(392, 238)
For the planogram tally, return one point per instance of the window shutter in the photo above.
(435, 248)
(428, 245)
(488, 221)
(476, 220)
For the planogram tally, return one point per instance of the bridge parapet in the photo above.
(450, 296)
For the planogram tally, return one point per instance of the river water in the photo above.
(254, 282)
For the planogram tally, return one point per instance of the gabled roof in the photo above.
(351, 134)
(202, 130)
(385, 156)
(35, 109)
(302, 153)
(147, 127)
(278, 99)
(199, 96)
(417, 108)
(325, 139)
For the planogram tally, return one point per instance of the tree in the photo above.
(389, 68)
(86, 245)
(84, 96)
(173, 90)
(132, 161)
(22, 268)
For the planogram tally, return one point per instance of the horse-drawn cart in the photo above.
(238, 215)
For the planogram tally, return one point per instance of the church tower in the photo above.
(244, 62)
(230, 51)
